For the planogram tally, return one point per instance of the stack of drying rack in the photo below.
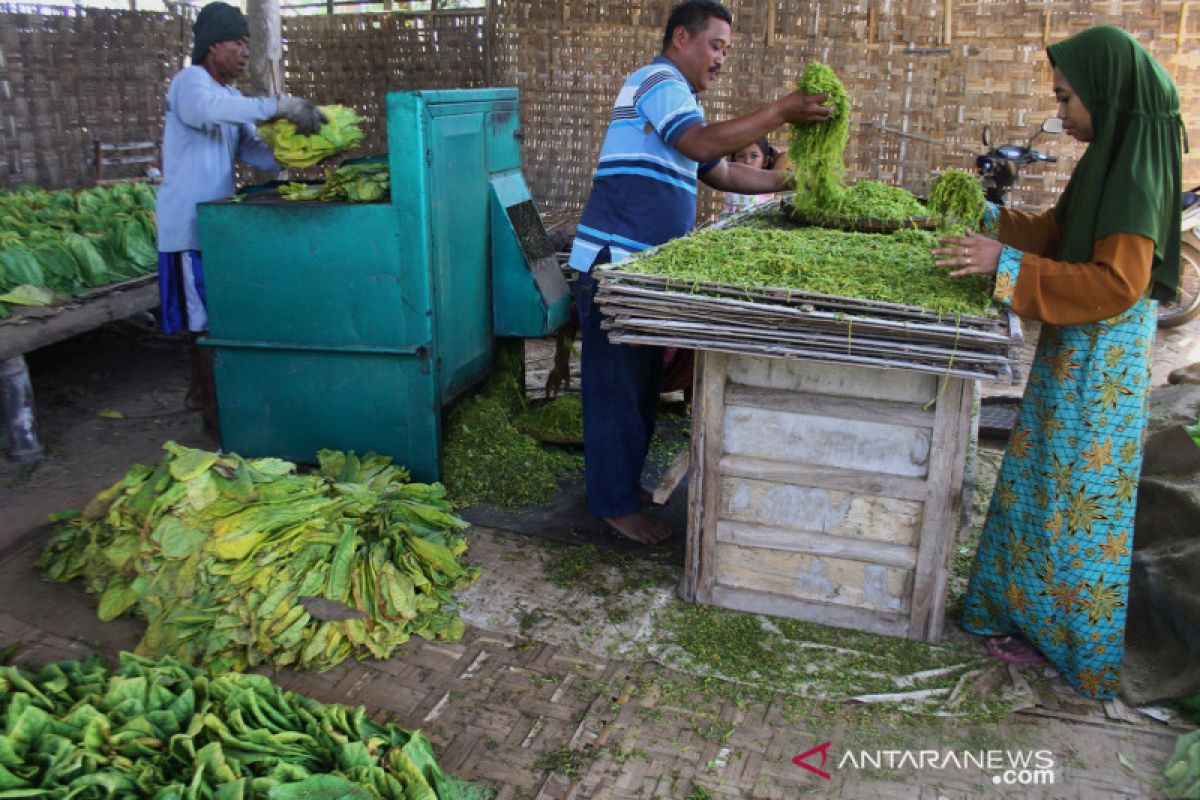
(787, 323)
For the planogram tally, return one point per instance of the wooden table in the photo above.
(32, 327)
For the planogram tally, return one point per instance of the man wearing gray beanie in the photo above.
(209, 125)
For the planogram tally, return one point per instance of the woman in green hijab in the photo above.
(1051, 576)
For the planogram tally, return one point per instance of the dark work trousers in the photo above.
(620, 405)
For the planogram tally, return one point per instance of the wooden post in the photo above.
(1181, 34)
(266, 48)
(489, 43)
(771, 23)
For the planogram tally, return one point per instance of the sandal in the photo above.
(1014, 649)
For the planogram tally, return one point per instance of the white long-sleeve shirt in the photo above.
(208, 126)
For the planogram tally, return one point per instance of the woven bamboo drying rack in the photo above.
(780, 322)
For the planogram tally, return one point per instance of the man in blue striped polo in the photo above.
(644, 194)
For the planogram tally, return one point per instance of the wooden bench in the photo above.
(143, 155)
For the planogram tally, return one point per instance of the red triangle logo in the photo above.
(802, 760)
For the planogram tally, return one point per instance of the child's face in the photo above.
(751, 156)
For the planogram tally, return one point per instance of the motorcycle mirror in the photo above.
(987, 136)
(1052, 125)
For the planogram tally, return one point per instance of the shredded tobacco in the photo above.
(485, 457)
(957, 200)
(816, 150)
(894, 268)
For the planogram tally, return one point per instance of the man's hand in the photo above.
(302, 113)
(799, 108)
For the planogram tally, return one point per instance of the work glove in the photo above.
(307, 118)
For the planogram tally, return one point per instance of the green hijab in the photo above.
(1130, 178)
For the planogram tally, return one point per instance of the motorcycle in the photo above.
(999, 167)
(1187, 307)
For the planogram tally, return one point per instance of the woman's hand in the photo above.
(972, 254)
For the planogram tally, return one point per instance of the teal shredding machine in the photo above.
(352, 326)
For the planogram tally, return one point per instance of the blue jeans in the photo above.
(620, 405)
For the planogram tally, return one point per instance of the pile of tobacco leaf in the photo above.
(234, 562)
(79, 730)
(66, 242)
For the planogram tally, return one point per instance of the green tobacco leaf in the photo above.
(202, 491)
(116, 601)
(189, 463)
(178, 539)
(29, 295)
(320, 787)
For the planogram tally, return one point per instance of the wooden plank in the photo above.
(24, 334)
(839, 381)
(717, 345)
(815, 335)
(672, 477)
(708, 478)
(848, 480)
(815, 544)
(692, 552)
(748, 600)
(708, 391)
(825, 579)
(834, 407)
(892, 449)
(834, 512)
(943, 507)
(836, 342)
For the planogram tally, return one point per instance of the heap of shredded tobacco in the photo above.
(957, 200)
(816, 154)
(816, 150)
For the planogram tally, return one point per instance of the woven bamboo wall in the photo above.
(355, 59)
(934, 69)
(929, 68)
(79, 75)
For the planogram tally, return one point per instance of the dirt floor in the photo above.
(581, 674)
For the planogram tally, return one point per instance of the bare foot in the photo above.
(1014, 649)
(640, 527)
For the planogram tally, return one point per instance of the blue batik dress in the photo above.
(1053, 559)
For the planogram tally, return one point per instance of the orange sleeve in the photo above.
(1035, 233)
(1065, 293)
